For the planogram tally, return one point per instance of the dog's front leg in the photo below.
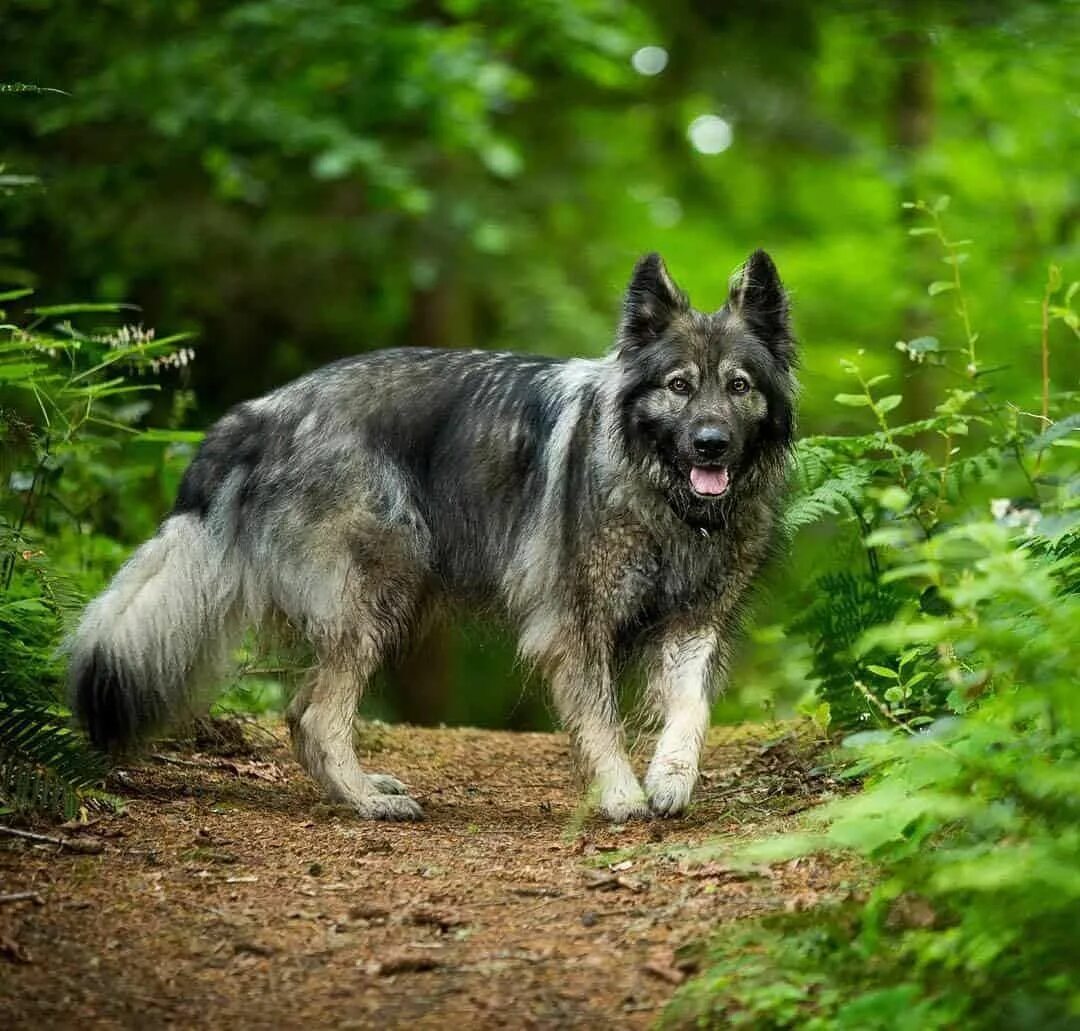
(680, 685)
(585, 697)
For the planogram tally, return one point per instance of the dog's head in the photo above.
(707, 400)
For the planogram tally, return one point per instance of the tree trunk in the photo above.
(440, 316)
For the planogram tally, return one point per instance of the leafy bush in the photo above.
(958, 643)
(70, 403)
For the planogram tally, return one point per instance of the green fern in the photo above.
(837, 494)
(846, 607)
(970, 470)
(44, 766)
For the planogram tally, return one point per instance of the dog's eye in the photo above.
(679, 386)
(739, 385)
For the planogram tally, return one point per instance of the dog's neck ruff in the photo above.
(706, 526)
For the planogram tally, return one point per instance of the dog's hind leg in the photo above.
(585, 698)
(355, 593)
(321, 719)
(679, 683)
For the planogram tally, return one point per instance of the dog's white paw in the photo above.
(384, 784)
(622, 803)
(669, 790)
(388, 807)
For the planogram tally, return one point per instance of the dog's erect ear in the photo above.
(758, 296)
(652, 301)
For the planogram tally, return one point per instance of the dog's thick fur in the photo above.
(358, 499)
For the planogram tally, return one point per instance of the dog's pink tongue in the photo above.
(708, 481)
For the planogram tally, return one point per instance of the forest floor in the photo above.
(228, 894)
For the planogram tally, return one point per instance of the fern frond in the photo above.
(44, 765)
(832, 497)
(846, 607)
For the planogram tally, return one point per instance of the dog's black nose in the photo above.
(710, 442)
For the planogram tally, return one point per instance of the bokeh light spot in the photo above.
(666, 212)
(709, 134)
(649, 60)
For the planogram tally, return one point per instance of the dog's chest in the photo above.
(638, 577)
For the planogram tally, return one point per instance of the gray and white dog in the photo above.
(613, 508)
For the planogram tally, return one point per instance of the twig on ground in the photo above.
(88, 846)
(23, 896)
(173, 761)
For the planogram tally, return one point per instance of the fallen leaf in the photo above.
(664, 972)
(366, 911)
(443, 919)
(402, 964)
(253, 948)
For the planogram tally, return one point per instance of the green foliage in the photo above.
(904, 485)
(810, 972)
(70, 403)
(847, 605)
(973, 825)
(44, 766)
(956, 639)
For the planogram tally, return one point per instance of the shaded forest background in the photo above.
(297, 182)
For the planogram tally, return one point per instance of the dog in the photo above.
(613, 508)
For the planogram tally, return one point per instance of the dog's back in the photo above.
(346, 500)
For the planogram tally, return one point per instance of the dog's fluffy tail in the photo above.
(160, 630)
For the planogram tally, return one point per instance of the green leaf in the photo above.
(853, 400)
(157, 436)
(884, 671)
(75, 309)
(894, 498)
(940, 286)
(895, 535)
(1060, 429)
(16, 372)
(919, 569)
(888, 403)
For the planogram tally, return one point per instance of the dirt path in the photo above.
(230, 895)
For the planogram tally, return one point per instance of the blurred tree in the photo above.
(302, 180)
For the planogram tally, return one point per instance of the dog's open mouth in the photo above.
(710, 483)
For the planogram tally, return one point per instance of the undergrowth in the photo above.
(949, 661)
(77, 475)
(70, 405)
